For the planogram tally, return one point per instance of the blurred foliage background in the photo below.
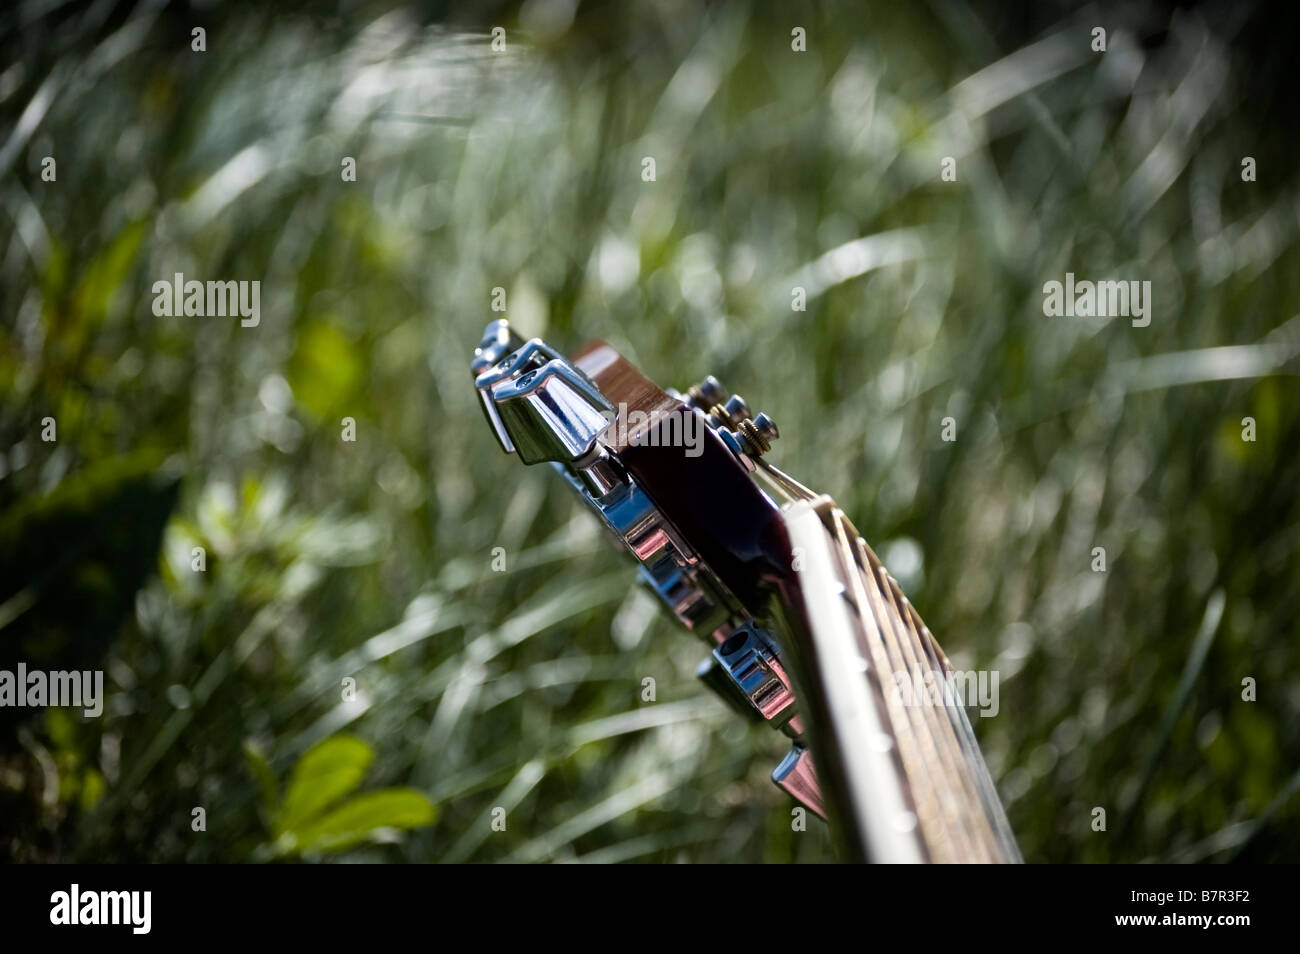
(370, 561)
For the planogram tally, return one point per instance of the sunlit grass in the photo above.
(371, 561)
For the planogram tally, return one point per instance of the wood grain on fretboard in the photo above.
(958, 810)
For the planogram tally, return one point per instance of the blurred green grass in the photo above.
(372, 560)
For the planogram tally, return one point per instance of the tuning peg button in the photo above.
(737, 409)
(706, 394)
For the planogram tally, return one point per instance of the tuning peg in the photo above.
(553, 412)
(706, 394)
(712, 674)
(499, 339)
(528, 355)
(797, 776)
(750, 440)
(751, 661)
(737, 409)
(760, 433)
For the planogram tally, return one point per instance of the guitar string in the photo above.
(962, 836)
(914, 760)
(1001, 829)
(995, 828)
(960, 759)
(1002, 833)
(971, 758)
(913, 736)
(941, 826)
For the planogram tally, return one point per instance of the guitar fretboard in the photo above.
(960, 814)
(942, 775)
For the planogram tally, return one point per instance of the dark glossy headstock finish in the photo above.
(710, 498)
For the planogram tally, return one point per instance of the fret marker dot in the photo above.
(905, 822)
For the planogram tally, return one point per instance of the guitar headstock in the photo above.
(672, 477)
(804, 624)
(671, 473)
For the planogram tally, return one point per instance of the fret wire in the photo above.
(950, 768)
(980, 777)
(995, 827)
(971, 825)
(951, 835)
(956, 759)
(999, 827)
(959, 756)
(911, 741)
(907, 739)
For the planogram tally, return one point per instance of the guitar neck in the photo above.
(905, 766)
(893, 761)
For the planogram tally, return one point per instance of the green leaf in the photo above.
(367, 815)
(260, 769)
(92, 790)
(105, 274)
(327, 772)
(325, 369)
